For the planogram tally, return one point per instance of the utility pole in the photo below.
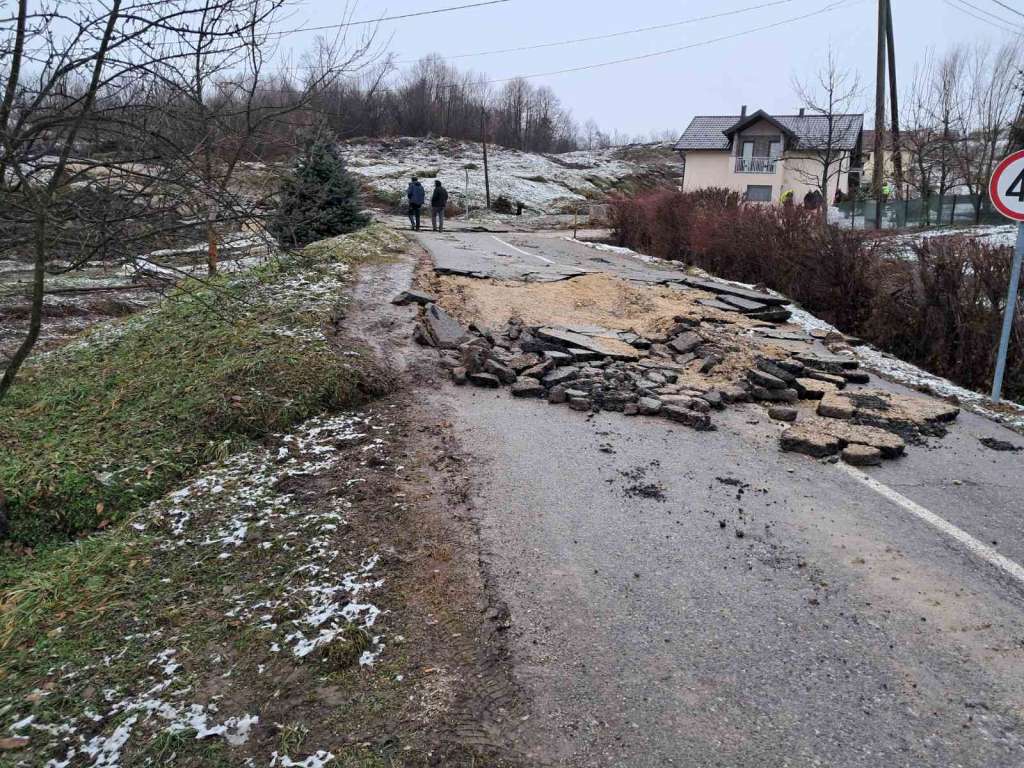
(483, 140)
(897, 158)
(879, 168)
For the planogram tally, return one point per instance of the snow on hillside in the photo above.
(543, 183)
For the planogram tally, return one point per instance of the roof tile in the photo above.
(707, 131)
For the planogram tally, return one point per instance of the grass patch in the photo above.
(81, 582)
(93, 432)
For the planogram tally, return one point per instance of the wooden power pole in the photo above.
(487, 172)
(897, 158)
(879, 167)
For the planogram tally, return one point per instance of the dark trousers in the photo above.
(437, 219)
(414, 215)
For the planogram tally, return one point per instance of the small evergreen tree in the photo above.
(319, 198)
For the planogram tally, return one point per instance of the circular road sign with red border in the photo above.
(1006, 190)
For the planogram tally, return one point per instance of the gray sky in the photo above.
(666, 91)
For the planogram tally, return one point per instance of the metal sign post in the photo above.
(1011, 309)
(1006, 191)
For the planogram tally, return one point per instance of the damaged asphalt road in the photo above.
(702, 598)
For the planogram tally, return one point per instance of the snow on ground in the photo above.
(159, 704)
(310, 598)
(310, 293)
(543, 183)
(245, 492)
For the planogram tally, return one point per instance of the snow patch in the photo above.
(316, 760)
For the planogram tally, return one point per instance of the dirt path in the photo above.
(453, 623)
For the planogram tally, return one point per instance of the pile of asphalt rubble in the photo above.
(591, 369)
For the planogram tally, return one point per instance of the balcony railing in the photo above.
(755, 164)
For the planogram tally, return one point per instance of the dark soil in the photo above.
(995, 444)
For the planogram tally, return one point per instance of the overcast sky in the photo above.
(664, 92)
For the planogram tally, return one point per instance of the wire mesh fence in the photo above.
(933, 211)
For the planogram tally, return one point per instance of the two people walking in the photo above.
(417, 196)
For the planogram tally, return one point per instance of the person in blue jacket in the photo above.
(417, 196)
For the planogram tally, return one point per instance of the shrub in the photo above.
(502, 205)
(944, 310)
(660, 222)
(319, 198)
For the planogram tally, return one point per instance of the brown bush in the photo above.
(660, 222)
(941, 310)
(944, 311)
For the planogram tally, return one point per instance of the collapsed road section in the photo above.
(680, 349)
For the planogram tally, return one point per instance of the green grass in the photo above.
(93, 432)
(96, 572)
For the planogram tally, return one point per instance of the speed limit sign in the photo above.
(1006, 191)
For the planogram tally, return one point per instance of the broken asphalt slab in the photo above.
(442, 330)
(498, 267)
(600, 345)
(411, 296)
(732, 291)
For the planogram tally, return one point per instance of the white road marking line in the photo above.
(520, 250)
(985, 552)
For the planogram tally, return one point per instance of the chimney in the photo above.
(801, 111)
(743, 111)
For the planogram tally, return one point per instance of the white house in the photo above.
(762, 156)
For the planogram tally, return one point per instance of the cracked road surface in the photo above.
(702, 599)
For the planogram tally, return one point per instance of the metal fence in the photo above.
(934, 211)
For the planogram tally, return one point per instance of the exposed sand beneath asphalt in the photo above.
(599, 299)
(611, 302)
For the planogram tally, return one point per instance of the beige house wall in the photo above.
(803, 174)
(888, 167)
(795, 171)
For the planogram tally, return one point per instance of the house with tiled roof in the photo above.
(762, 155)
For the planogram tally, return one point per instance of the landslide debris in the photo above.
(602, 343)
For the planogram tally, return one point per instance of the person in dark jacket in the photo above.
(417, 196)
(812, 200)
(438, 201)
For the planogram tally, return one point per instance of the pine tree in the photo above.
(319, 198)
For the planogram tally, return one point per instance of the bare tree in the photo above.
(831, 96)
(985, 114)
(38, 85)
(226, 104)
(934, 113)
(1016, 138)
(120, 119)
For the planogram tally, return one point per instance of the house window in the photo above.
(775, 150)
(758, 193)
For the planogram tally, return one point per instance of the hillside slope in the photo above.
(543, 183)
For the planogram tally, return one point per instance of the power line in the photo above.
(264, 36)
(654, 54)
(835, 5)
(611, 35)
(1008, 7)
(975, 16)
(365, 22)
(999, 19)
